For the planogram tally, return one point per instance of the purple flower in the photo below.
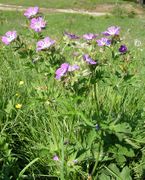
(111, 31)
(104, 42)
(73, 68)
(62, 70)
(37, 24)
(9, 37)
(88, 59)
(55, 158)
(71, 36)
(123, 49)
(90, 36)
(31, 11)
(44, 43)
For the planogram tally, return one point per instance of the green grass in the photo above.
(87, 4)
(131, 28)
(58, 23)
(59, 118)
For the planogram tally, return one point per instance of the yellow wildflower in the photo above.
(18, 106)
(21, 82)
(17, 94)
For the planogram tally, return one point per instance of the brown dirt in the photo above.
(100, 10)
(127, 7)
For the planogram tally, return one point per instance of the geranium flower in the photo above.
(31, 11)
(112, 31)
(88, 59)
(44, 43)
(62, 70)
(55, 158)
(73, 68)
(71, 36)
(123, 49)
(104, 42)
(9, 37)
(37, 24)
(90, 36)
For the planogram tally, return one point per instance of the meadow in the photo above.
(80, 4)
(89, 122)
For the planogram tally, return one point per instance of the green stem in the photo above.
(62, 162)
(97, 160)
(113, 55)
(96, 99)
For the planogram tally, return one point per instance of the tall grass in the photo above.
(94, 125)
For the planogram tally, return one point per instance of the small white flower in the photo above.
(137, 42)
